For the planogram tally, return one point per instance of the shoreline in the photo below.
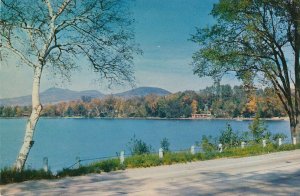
(154, 118)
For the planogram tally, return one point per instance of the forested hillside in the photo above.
(222, 101)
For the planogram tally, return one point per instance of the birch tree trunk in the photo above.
(32, 121)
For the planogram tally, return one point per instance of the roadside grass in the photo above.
(8, 175)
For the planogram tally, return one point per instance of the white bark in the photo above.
(33, 119)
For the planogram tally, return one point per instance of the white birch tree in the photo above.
(57, 35)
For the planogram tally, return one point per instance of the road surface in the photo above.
(271, 174)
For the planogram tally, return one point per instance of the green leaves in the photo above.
(138, 146)
(259, 130)
(247, 36)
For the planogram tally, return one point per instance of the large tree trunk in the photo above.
(295, 129)
(32, 121)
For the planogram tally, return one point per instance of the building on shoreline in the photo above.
(202, 116)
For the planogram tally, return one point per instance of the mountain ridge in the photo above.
(143, 91)
(55, 95)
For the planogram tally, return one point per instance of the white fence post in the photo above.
(243, 144)
(279, 141)
(45, 164)
(220, 147)
(264, 143)
(78, 162)
(122, 157)
(294, 140)
(161, 153)
(193, 149)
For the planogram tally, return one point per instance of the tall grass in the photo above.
(8, 175)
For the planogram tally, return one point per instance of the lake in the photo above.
(62, 140)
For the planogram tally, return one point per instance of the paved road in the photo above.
(271, 174)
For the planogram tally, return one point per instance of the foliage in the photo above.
(107, 165)
(138, 147)
(259, 130)
(229, 138)
(276, 136)
(143, 160)
(57, 39)
(225, 102)
(97, 167)
(8, 175)
(54, 35)
(207, 144)
(77, 172)
(165, 145)
(254, 39)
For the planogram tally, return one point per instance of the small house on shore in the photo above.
(203, 115)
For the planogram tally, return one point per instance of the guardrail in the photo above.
(193, 150)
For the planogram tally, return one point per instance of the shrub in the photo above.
(258, 130)
(165, 145)
(143, 160)
(9, 175)
(138, 147)
(97, 167)
(229, 138)
(76, 172)
(207, 144)
(107, 165)
(276, 136)
(181, 157)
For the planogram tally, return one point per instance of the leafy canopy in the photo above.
(66, 34)
(256, 39)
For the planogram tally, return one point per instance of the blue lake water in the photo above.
(62, 140)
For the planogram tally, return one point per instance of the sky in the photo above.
(162, 29)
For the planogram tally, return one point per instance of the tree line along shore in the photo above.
(219, 101)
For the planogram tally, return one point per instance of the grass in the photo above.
(8, 175)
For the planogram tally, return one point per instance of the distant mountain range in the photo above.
(56, 95)
(142, 92)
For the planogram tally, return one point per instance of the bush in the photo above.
(207, 144)
(165, 145)
(229, 138)
(75, 172)
(276, 136)
(138, 147)
(97, 167)
(143, 160)
(107, 165)
(9, 175)
(258, 130)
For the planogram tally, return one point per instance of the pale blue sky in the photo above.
(162, 28)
